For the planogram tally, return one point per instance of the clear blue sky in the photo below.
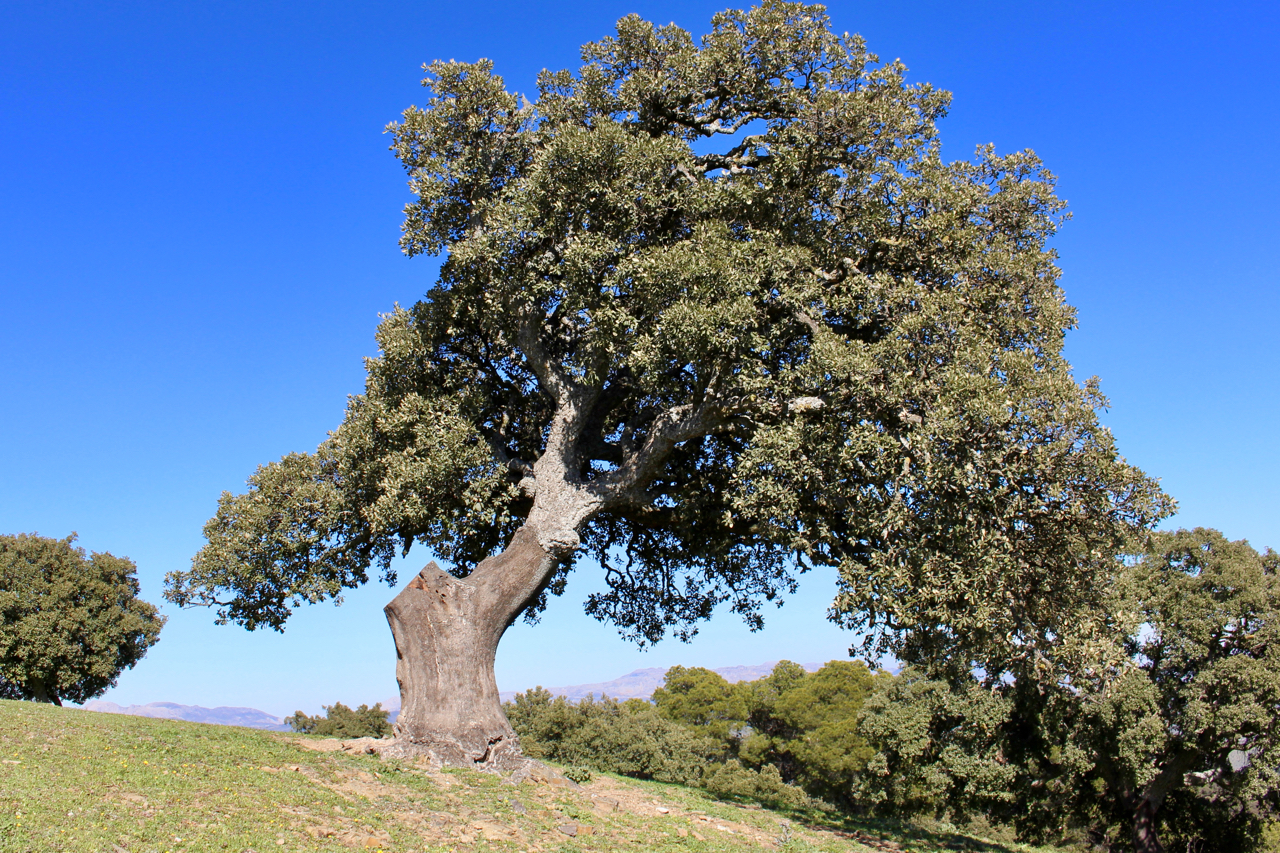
(198, 223)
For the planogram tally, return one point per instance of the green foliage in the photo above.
(798, 727)
(70, 623)
(936, 750)
(341, 721)
(701, 699)
(731, 780)
(629, 737)
(810, 730)
(727, 295)
(581, 775)
(1181, 724)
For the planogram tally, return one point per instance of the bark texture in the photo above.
(1145, 839)
(446, 631)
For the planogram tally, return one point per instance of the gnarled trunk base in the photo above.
(446, 631)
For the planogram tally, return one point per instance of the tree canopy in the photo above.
(1177, 740)
(711, 312)
(70, 623)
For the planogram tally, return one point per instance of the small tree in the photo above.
(710, 313)
(341, 721)
(628, 737)
(810, 732)
(69, 623)
(701, 699)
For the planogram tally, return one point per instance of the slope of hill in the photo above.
(74, 781)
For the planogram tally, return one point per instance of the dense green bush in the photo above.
(806, 725)
(628, 738)
(800, 726)
(341, 721)
(703, 701)
(733, 781)
(777, 740)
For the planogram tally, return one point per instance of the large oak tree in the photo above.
(710, 312)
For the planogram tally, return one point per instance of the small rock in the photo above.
(517, 806)
(606, 803)
(682, 832)
(584, 829)
(663, 810)
(569, 829)
(697, 836)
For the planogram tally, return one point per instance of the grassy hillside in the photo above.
(79, 781)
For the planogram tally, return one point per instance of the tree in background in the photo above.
(810, 732)
(701, 699)
(711, 312)
(70, 623)
(341, 721)
(797, 726)
(1178, 738)
(937, 749)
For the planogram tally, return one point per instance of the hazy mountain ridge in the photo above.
(641, 683)
(250, 718)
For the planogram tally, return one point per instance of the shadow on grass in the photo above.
(887, 833)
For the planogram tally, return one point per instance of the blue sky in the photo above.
(198, 224)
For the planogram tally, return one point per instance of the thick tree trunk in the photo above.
(1145, 839)
(447, 631)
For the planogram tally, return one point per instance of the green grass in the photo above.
(79, 781)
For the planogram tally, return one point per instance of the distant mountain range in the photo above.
(641, 683)
(634, 685)
(250, 718)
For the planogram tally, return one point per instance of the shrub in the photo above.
(341, 721)
(733, 781)
(628, 738)
(581, 775)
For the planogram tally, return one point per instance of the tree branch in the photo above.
(549, 374)
(675, 425)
